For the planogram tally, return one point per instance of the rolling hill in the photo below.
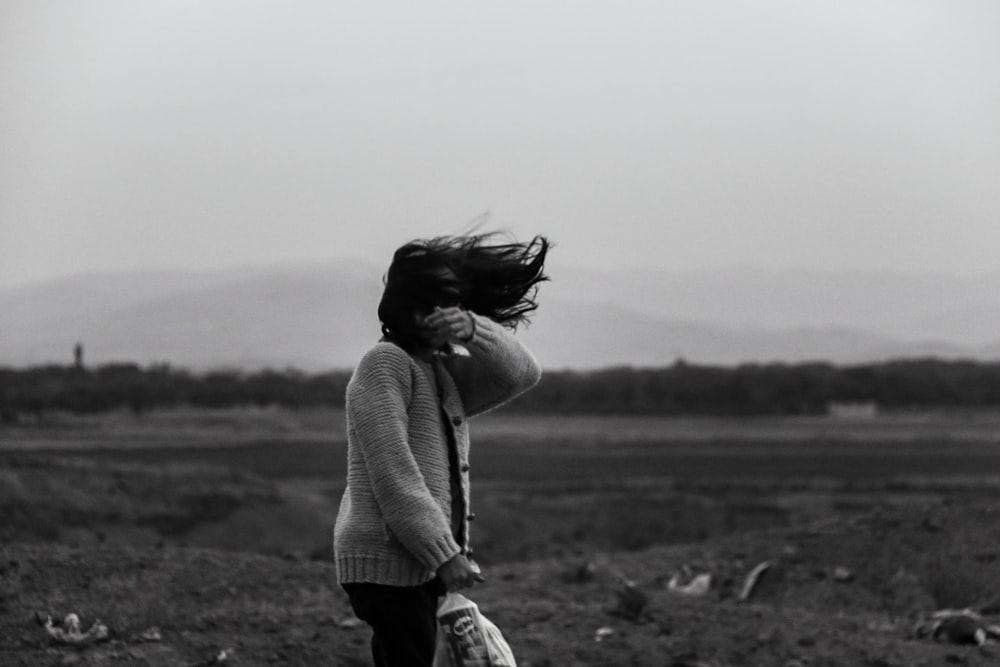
(322, 316)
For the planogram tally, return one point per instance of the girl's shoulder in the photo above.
(384, 367)
(385, 357)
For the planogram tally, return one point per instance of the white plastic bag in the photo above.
(466, 638)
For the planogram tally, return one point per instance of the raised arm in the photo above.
(498, 368)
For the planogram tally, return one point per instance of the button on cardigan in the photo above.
(394, 525)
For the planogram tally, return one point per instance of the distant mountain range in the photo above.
(322, 316)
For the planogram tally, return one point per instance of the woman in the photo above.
(402, 532)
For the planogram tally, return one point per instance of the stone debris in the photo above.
(697, 586)
(69, 632)
(580, 574)
(750, 583)
(219, 658)
(603, 633)
(957, 626)
(791, 553)
(631, 601)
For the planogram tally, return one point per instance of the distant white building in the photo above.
(852, 409)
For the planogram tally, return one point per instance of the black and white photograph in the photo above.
(500, 334)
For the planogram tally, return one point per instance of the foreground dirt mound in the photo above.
(843, 593)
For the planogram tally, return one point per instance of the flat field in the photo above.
(547, 448)
(213, 527)
(551, 485)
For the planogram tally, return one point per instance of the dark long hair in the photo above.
(496, 280)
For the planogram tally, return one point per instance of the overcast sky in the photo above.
(194, 134)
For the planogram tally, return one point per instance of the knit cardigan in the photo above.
(394, 525)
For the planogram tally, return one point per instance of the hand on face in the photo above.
(448, 325)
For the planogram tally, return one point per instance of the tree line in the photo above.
(769, 389)
(129, 386)
(682, 388)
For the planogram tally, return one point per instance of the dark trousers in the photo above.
(403, 621)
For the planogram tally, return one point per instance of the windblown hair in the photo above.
(496, 280)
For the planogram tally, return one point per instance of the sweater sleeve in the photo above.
(377, 403)
(498, 368)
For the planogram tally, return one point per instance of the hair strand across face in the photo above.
(495, 280)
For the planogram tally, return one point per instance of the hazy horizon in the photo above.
(318, 315)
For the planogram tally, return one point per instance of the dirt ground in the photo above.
(841, 592)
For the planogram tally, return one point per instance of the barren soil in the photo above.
(195, 537)
(842, 592)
